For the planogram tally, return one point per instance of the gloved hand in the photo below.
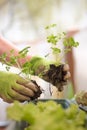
(13, 87)
(81, 98)
(47, 70)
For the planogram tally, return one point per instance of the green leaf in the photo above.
(26, 68)
(3, 58)
(50, 26)
(56, 50)
(70, 42)
(52, 39)
(13, 60)
(23, 52)
(48, 116)
(15, 112)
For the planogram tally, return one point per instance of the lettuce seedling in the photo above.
(51, 71)
(59, 38)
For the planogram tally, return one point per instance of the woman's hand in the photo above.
(13, 87)
(81, 98)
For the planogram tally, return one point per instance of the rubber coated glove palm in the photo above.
(13, 87)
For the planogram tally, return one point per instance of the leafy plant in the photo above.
(48, 116)
(53, 39)
(14, 60)
(59, 38)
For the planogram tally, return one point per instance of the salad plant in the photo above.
(14, 61)
(48, 116)
(59, 39)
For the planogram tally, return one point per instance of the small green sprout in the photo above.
(60, 38)
(24, 52)
(52, 39)
(14, 60)
(56, 50)
(50, 26)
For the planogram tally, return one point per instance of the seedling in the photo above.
(60, 38)
(14, 60)
(53, 72)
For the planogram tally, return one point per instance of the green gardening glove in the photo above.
(13, 87)
(50, 72)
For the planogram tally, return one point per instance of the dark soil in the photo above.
(55, 75)
(38, 93)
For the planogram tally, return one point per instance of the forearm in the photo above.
(6, 47)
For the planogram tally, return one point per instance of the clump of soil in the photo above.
(38, 93)
(55, 75)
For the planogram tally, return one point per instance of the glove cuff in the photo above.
(38, 65)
